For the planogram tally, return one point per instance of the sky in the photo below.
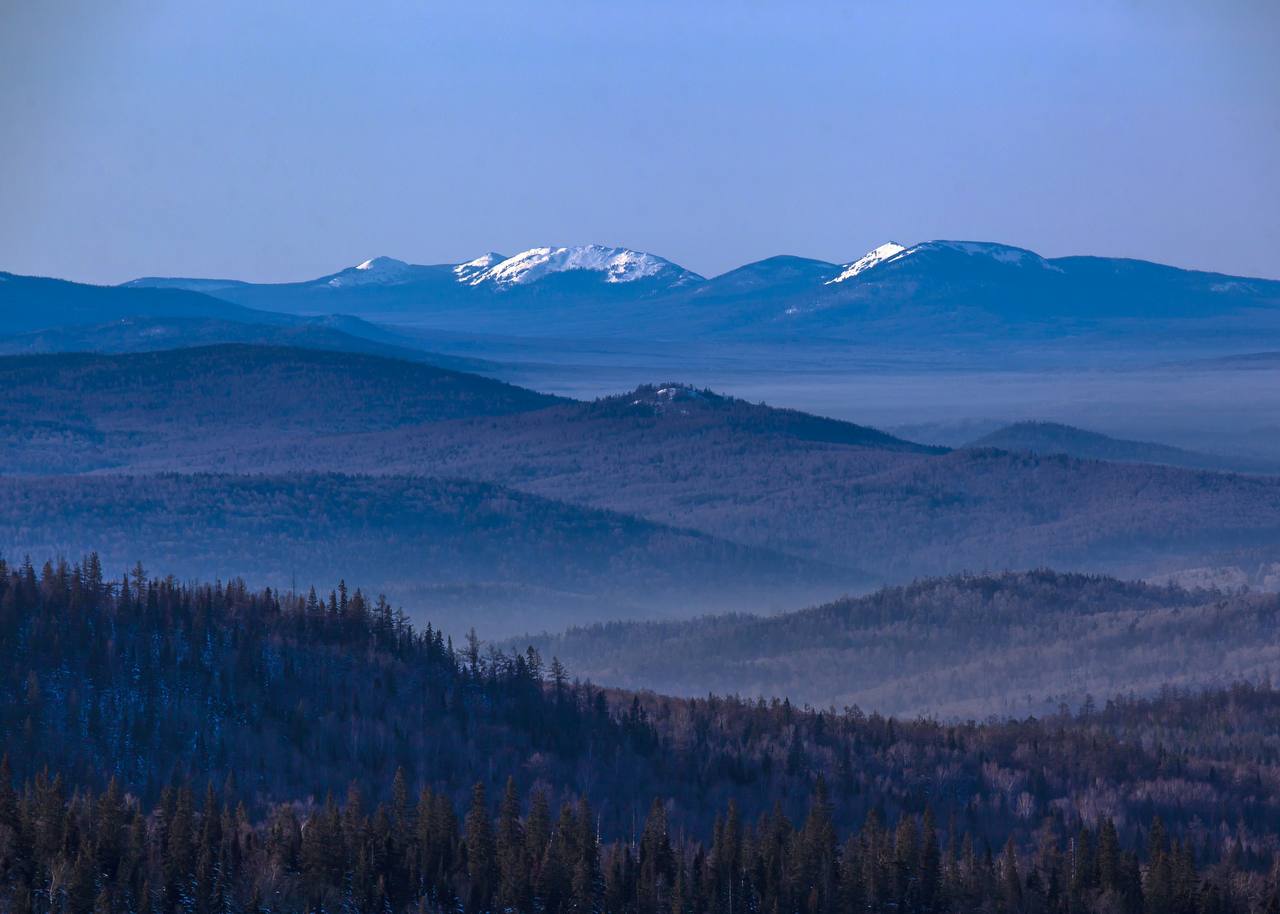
(287, 139)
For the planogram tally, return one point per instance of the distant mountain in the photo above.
(29, 303)
(147, 334)
(962, 288)
(1055, 438)
(463, 553)
(1261, 361)
(488, 293)
(769, 275)
(611, 266)
(77, 412)
(955, 290)
(40, 315)
(1011, 645)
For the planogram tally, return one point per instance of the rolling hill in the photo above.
(464, 553)
(966, 647)
(1056, 438)
(826, 491)
(148, 334)
(77, 412)
(30, 303)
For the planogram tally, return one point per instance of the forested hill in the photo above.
(30, 303)
(333, 333)
(470, 553)
(279, 700)
(834, 492)
(968, 645)
(1055, 438)
(76, 411)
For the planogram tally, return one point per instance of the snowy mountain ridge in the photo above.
(872, 258)
(618, 265)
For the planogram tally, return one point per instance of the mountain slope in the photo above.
(147, 334)
(966, 287)
(1055, 438)
(75, 412)
(30, 303)
(463, 552)
(1014, 644)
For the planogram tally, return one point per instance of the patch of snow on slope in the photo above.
(472, 268)
(617, 264)
(872, 258)
(1001, 253)
(377, 270)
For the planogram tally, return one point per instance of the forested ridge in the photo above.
(966, 645)
(818, 489)
(123, 698)
(77, 412)
(473, 552)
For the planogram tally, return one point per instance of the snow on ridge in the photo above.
(373, 271)
(1001, 253)
(469, 270)
(617, 264)
(382, 265)
(887, 251)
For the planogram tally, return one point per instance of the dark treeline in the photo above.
(101, 854)
(286, 700)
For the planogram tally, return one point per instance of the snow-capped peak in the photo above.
(373, 271)
(872, 258)
(467, 271)
(382, 265)
(617, 264)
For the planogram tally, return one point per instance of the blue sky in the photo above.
(281, 140)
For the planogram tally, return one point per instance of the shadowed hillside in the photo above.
(75, 412)
(1055, 438)
(148, 334)
(1013, 644)
(34, 303)
(468, 553)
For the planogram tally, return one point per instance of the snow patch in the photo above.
(1001, 253)
(617, 265)
(887, 251)
(376, 270)
(469, 270)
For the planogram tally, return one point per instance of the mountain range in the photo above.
(954, 290)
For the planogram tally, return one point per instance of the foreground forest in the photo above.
(123, 698)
